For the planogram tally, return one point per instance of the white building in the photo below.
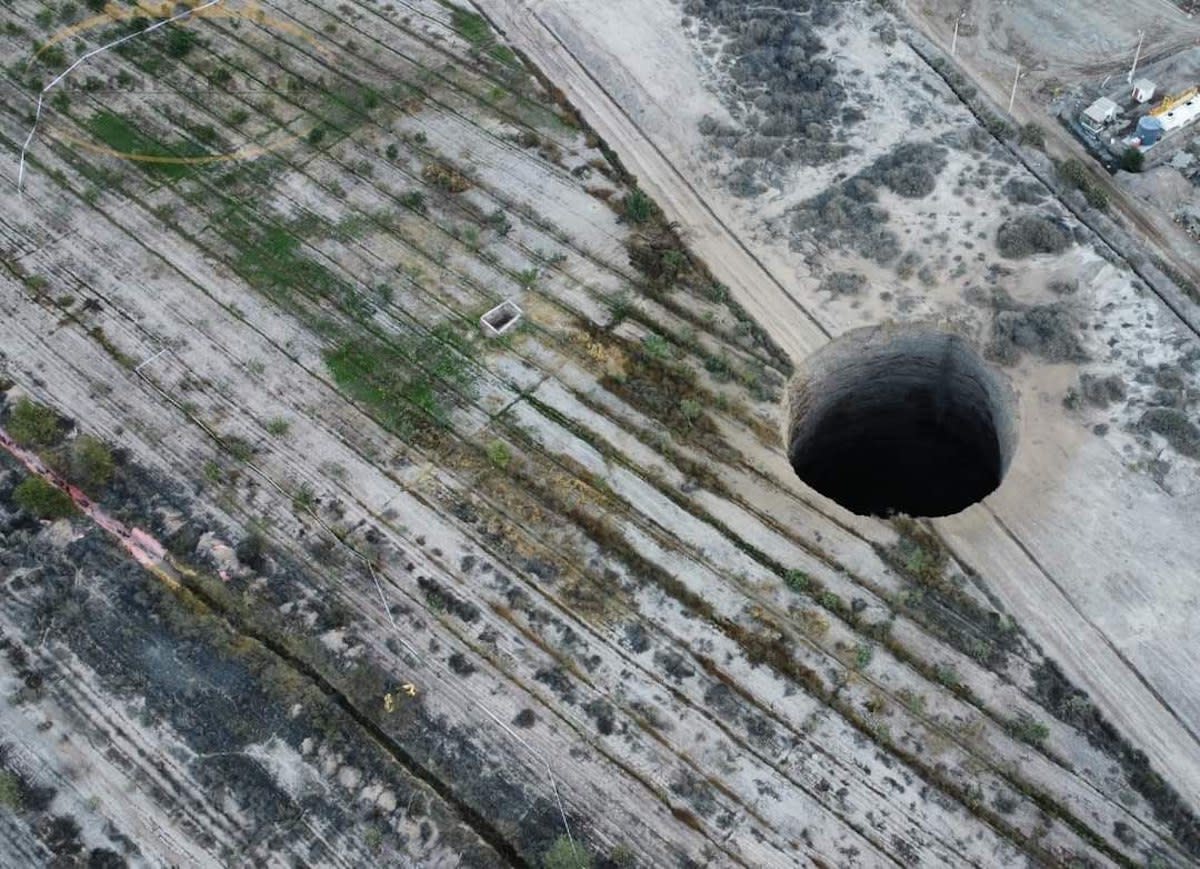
(1143, 90)
(1099, 114)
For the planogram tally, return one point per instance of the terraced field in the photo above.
(408, 593)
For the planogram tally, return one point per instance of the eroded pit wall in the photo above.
(900, 419)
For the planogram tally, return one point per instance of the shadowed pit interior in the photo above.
(900, 420)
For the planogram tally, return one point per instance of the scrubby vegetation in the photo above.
(42, 499)
(775, 55)
(910, 169)
(1075, 174)
(843, 283)
(1172, 424)
(1074, 707)
(1102, 391)
(848, 214)
(90, 463)
(1031, 234)
(1048, 331)
(33, 425)
(565, 854)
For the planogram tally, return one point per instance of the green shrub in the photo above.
(1028, 729)
(413, 200)
(637, 207)
(33, 425)
(691, 409)
(1133, 160)
(90, 463)
(1096, 197)
(470, 26)
(1032, 134)
(180, 41)
(10, 791)
(565, 855)
(657, 346)
(797, 580)
(44, 500)
(499, 454)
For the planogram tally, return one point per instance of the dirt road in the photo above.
(1093, 592)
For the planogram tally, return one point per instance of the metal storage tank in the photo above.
(1149, 130)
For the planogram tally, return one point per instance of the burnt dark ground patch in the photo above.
(219, 691)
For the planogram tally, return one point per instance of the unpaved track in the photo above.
(1051, 566)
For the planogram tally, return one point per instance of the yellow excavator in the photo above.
(1170, 102)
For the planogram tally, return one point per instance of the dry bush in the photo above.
(1031, 234)
(446, 178)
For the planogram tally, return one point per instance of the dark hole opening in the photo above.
(914, 425)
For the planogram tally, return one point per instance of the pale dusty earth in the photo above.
(1093, 554)
(581, 612)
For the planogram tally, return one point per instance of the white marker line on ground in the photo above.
(58, 78)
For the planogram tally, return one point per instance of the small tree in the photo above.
(34, 495)
(90, 464)
(1133, 160)
(33, 425)
(565, 854)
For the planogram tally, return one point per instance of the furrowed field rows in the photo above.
(674, 549)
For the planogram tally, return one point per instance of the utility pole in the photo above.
(1136, 56)
(954, 41)
(1013, 96)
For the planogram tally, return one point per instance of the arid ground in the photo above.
(300, 565)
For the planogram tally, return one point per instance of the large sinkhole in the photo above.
(900, 419)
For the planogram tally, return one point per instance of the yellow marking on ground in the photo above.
(114, 13)
(249, 152)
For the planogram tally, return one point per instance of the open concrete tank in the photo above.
(900, 419)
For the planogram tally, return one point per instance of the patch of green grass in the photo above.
(10, 791)
(504, 55)
(122, 136)
(44, 500)
(499, 454)
(278, 426)
(862, 655)
(470, 26)
(385, 376)
(272, 264)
